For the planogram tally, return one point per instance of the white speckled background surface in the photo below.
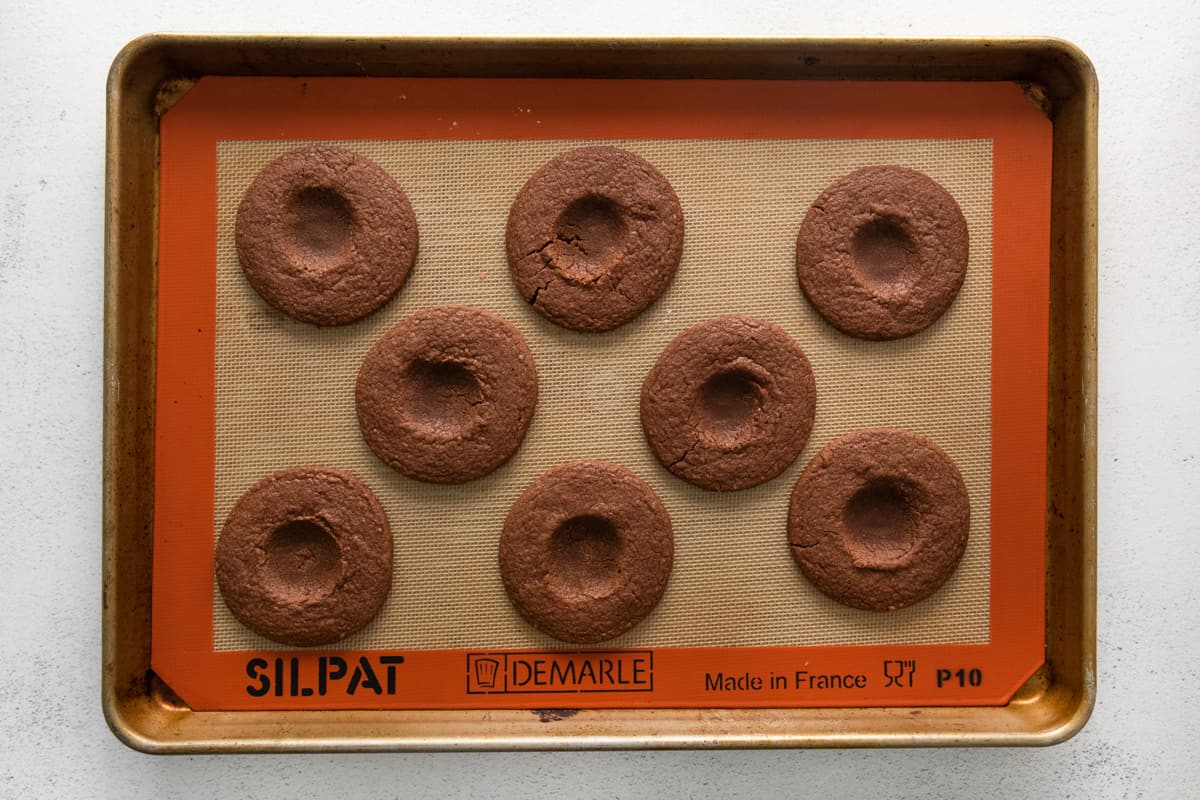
(53, 741)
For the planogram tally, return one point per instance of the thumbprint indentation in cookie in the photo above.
(320, 226)
(303, 559)
(879, 525)
(884, 254)
(586, 553)
(729, 399)
(439, 395)
(589, 238)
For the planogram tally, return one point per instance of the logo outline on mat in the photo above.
(560, 671)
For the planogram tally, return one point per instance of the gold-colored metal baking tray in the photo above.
(152, 72)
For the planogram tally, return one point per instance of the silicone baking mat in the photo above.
(271, 393)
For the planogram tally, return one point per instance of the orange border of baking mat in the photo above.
(481, 108)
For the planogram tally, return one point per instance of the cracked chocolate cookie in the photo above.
(879, 519)
(594, 238)
(586, 552)
(729, 404)
(447, 394)
(325, 235)
(882, 252)
(305, 557)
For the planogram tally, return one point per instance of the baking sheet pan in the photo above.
(1054, 703)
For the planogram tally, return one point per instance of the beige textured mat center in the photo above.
(285, 392)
